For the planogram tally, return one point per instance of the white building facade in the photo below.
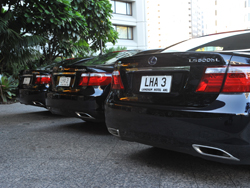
(151, 24)
(169, 22)
(129, 20)
(227, 15)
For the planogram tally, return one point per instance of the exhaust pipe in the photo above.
(213, 152)
(114, 132)
(84, 115)
(36, 103)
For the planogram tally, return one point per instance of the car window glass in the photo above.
(109, 58)
(225, 41)
(210, 48)
(65, 62)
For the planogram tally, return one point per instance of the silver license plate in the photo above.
(26, 81)
(156, 84)
(64, 81)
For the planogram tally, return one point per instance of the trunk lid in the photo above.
(180, 74)
(68, 79)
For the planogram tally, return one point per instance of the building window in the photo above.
(125, 32)
(215, 12)
(248, 3)
(249, 17)
(120, 7)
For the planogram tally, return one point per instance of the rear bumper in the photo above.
(86, 108)
(181, 130)
(32, 97)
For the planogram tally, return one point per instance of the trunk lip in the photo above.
(172, 68)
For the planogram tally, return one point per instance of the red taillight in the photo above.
(43, 79)
(237, 80)
(95, 79)
(212, 79)
(116, 81)
(84, 79)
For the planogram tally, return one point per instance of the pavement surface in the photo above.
(39, 149)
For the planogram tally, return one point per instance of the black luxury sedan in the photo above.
(34, 84)
(80, 90)
(193, 97)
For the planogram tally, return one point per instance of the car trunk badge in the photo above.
(152, 60)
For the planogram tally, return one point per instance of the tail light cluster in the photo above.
(235, 79)
(95, 79)
(116, 81)
(43, 79)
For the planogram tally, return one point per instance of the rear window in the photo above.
(219, 42)
(109, 58)
(65, 62)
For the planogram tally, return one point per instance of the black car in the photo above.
(193, 97)
(80, 90)
(34, 84)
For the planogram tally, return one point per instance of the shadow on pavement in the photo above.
(35, 114)
(161, 158)
(86, 127)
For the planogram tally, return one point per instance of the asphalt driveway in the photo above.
(39, 149)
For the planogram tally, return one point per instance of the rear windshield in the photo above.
(220, 42)
(109, 58)
(65, 62)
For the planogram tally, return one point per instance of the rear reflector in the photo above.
(237, 80)
(212, 79)
(95, 79)
(116, 81)
(43, 79)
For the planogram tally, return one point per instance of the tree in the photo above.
(14, 47)
(69, 26)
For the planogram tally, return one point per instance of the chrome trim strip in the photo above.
(96, 74)
(181, 68)
(80, 69)
(100, 74)
(228, 155)
(27, 75)
(64, 73)
(42, 76)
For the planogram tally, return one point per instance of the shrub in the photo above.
(8, 86)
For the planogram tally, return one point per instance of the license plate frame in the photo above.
(64, 81)
(156, 84)
(26, 81)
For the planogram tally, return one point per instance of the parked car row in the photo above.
(74, 87)
(192, 97)
(34, 84)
